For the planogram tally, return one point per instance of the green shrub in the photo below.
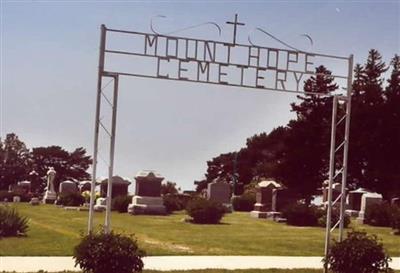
(70, 199)
(396, 220)
(244, 202)
(334, 219)
(105, 253)
(379, 215)
(204, 211)
(11, 223)
(172, 203)
(358, 253)
(121, 203)
(6, 195)
(302, 215)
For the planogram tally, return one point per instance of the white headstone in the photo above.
(367, 200)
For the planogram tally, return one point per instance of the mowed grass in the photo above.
(305, 270)
(54, 232)
(273, 270)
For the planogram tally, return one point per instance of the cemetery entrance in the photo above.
(228, 63)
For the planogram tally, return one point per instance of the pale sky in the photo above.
(49, 59)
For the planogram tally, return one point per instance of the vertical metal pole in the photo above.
(346, 147)
(331, 174)
(112, 151)
(96, 127)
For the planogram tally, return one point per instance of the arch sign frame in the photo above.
(220, 63)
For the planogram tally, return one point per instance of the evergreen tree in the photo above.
(306, 160)
(366, 145)
(14, 161)
(390, 134)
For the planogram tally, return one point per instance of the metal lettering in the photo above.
(220, 73)
(205, 69)
(158, 67)
(208, 51)
(181, 69)
(149, 43)
(176, 47)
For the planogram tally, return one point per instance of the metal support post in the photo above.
(107, 225)
(331, 174)
(96, 127)
(346, 147)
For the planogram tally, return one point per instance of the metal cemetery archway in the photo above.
(221, 63)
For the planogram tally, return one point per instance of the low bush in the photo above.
(172, 203)
(176, 202)
(6, 195)
(335, 218)
(358, 253)
(121, 203)
(396, 220)
(244, 202)
(25, 197)
(302, 215)
(104, 253)
(379, 215)
(204, 211)
(70, 199)
(11, 223)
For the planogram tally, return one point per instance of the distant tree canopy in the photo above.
(297, 154)
(169, 188)
(18, 163)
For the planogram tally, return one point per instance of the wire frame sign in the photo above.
(155, 55)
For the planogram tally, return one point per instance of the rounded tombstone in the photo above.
(68, 187)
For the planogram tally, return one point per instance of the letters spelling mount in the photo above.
(224, 63)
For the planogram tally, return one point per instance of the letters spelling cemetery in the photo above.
(214, 62)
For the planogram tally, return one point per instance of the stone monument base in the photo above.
(361, 217)
(259, 214)
(352, 213)
(49, 197)
(228, 207)
(273, 215)
(147, 205)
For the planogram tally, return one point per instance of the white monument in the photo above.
(367, 200)
(50, 195)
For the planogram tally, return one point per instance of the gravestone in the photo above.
(85, 186)
(220, 191)
(354, 202)
(265, 206)
(336, 190)
(17, 199)
(395, 202)
(34, 201)
(67, 187)
(101, 204)
(119, 187)
(147, 198)
(367, 200)
(50, 195)
(282, 198)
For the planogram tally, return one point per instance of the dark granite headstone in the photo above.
(119, 186)
(219, 191)
(67, 187)
(148, 184)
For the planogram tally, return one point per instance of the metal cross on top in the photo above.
(235, 24)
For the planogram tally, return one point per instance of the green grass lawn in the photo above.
(54, 231)
(228, 271)
(234, 271)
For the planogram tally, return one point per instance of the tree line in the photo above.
(297, 154)
(18, 163)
